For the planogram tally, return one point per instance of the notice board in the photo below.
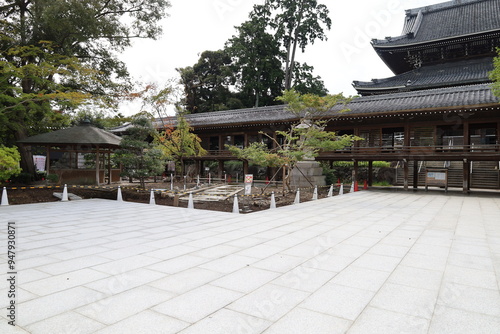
(437, 177)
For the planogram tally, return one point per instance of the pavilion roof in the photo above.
(413, 101)
(447, 20)
(463, 72)
(84, 134)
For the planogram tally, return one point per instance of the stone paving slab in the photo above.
(367, 262)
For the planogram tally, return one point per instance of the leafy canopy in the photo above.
(305, 139)
(57, 56)
(179, 142)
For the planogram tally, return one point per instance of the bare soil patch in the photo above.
(131, 193)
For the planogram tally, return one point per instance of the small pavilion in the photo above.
(84, 154)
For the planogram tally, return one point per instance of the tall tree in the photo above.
(305, 82)
(256, 60)
(297, 23)
(207, 83)
(56, 55)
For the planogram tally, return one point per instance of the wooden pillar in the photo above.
(370, 173)
(466, 176)
(76, 158)
(356, 133)
(355, 172)
(198, 166)
(407, 142)
(47, 161)
(415, 174)
(97, 166)
(406, 173)
(109, 166)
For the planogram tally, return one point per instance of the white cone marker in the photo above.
(330, 191)
(315, 193)
(297, 197)
(190, 201)
(236, 207)
(65, 194)
(119, 197)
(273, 201)
(352, 187)
(152, 197)
(341, 190)
(5, 199)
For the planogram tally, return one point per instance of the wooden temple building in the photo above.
(436, 111)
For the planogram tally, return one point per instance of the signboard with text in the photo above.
(436, 177)
(248, 184)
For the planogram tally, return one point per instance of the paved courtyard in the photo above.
(368, 262)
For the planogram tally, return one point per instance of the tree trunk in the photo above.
(27, 163)
(287, 67)
(291, 57)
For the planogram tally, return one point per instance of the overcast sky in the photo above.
(198, 25)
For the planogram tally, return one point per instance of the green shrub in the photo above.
(9, 162)
(54, 178)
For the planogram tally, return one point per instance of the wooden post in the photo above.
(415, 174)
(97, 166)
(466, 176)
(47, 161)
(76, 157)
(406, 174)
(109, 166)
(370, 173)
(197, 164)
(355, 172)
(221, 143)
(406, 139)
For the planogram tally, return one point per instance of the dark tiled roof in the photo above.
(439, 75)
(446, 20)
(81, 134)
(244, 116)
(441, 98)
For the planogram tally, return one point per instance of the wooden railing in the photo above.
(439, 151)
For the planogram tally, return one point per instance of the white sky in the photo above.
(198, 25)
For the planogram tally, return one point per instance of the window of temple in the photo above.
(239, 141)
(422, 136)
(450, 135)
(393, 137)
(214, 143)
(371, 138)
(483, 134)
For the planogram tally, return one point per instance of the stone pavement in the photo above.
(368, 262)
